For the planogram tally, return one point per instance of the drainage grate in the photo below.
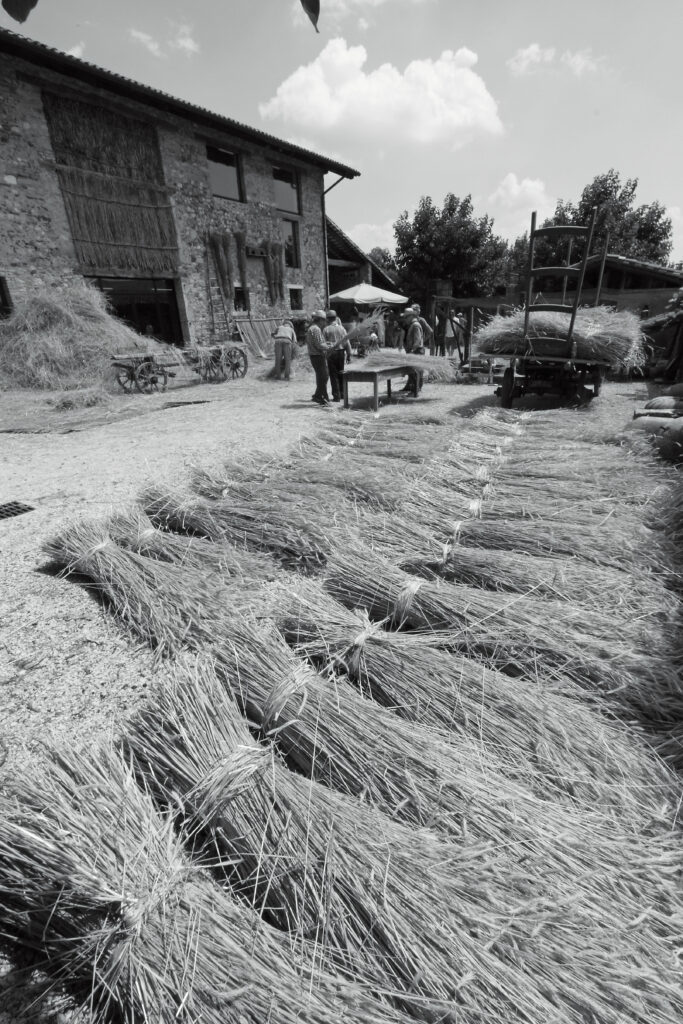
(14, 508)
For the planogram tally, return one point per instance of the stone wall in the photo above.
(36, 250)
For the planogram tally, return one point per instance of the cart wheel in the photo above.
(150, 377)
(125, 378)
(507, 389)
(236, 363)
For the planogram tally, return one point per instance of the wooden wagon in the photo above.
(138, 371)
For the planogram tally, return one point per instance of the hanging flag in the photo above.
(312, 9)
(19, 9)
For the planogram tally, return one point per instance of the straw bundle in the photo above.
(93, 880)
(601, 334)
(516, 634)
(565, 749)
(297, 535)
(613, 541)
(136, 532)
(65, 339)
(638, 598)
(437, 369)
(427, 924)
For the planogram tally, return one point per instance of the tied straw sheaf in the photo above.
(340, 877)
(97, 885)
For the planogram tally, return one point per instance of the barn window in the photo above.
(241, 300)
(286, 189)
(225, 173)
(290, 237)
(296, 298)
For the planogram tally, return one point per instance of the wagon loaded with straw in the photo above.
(561, 348)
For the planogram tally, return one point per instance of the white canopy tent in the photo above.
(368, 295)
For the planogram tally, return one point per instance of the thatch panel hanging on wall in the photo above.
(110, 172)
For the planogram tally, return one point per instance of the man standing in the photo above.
(414, 343)
(284, 338)
(427, 332)
(339, 350)
(317, 353)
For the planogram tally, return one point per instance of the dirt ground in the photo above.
(66, 671)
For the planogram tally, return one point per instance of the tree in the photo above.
(449, 244)
(383, 258)
(640, 232)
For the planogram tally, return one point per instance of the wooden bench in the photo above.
(373, 376)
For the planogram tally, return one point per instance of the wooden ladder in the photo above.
(566, 272)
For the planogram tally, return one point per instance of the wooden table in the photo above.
(373, 375)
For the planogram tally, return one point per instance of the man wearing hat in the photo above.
(284, 340)
(427, 332)
(338, 352)
(414, 343)
(317, 353)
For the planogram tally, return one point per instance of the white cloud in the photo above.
(77, 50)
(442, 100)
(147, 41)
(184, 41)
(363, 24)
(367, 236)
(514, 200)
(581, 62)
(530, 58)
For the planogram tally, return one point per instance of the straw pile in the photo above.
(601, 334)
(437, 369)
(520, 634)
(62, 340)
(94, 882)
(439, 941)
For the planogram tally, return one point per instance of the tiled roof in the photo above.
(48, 57)
(645, 266)
(339, 244)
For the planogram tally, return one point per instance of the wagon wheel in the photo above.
(150, 377)
(507, 390)
(125, 378)
(236, 363)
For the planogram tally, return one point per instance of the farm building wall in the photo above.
(37, 248)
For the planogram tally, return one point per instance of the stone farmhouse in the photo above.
(186, 219)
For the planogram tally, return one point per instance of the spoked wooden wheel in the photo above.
(150, 377)
(125, 378)
(236, 363)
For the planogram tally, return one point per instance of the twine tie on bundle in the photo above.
(355, 648)
(405, 598)
(474, 508)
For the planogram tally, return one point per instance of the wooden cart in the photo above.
(217, 362)
(137, 371)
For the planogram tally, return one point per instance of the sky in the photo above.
(516, 104)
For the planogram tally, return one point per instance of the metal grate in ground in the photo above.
(14, 508)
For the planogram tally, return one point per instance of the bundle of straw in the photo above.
(601, 334)
(134, 530)
(436, 368)
(93, 880)
(613, 541)
(296, 535)
(639, 598)
(427, 925)
(564, 749)
(516, 634)
(64, 339)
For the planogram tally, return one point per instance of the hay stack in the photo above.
(437, 369)
(64, 339)
(94, 882)
(517, 634)
(601, 334)
(565, 749)
(426, 924)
